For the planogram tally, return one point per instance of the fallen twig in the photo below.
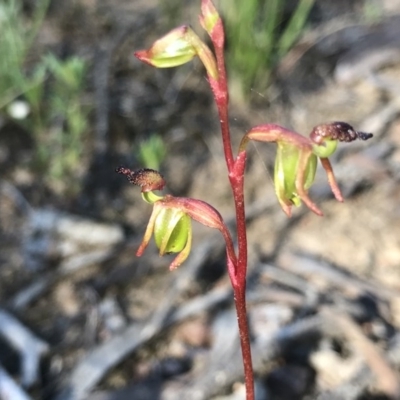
(99, 361)
(305, 265)
(26, 343)
(387, 379)
(9, 390)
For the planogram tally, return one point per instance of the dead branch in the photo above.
(9, 388)
(101, 359)
(30, 347)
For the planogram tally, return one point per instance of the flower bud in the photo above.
(209, 16)
(178, 47)
(212, 23)
(171, 50)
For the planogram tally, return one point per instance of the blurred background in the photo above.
(81, 317)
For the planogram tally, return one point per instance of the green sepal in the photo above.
(326, 149)
(150, 197)
(171, 230)
(286, 170)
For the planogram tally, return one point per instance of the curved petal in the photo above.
(149, 230)
(184, 254)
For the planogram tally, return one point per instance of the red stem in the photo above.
(236, 169)
(241, 311)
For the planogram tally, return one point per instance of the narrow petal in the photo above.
(149, 230)
(184, 254)
(331, 179)
(300, 182)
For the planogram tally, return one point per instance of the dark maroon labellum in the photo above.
(148, 179)
(341, 131)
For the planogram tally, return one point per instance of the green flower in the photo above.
(171, 220)
(296, 159)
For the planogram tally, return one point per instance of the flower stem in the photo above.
(240, 303)
(236, 168)
(237, 180)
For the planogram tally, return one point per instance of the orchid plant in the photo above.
(295, 167)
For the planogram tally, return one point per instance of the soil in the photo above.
(324, 293)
